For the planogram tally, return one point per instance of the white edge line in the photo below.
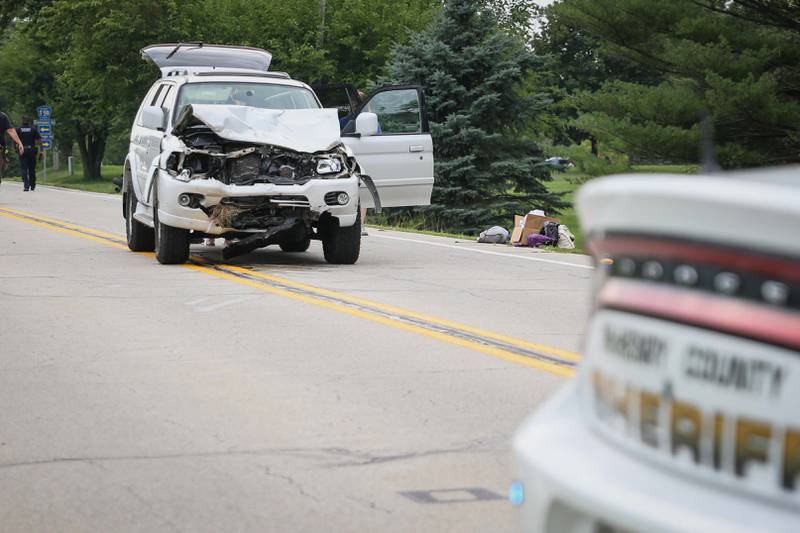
(487, 252)
(105, 196)
(101, 195)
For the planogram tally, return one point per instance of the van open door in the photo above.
(396, 150)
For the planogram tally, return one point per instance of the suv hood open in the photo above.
(301, 130)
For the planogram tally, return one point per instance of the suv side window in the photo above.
(167, 98)
(164, 94)
(158, 93)
(146, 101)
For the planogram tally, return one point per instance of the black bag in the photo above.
(550, 229)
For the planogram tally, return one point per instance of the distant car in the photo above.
(559, 163)
(221, 146)
(685, 413)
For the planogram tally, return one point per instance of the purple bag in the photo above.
(537, 239)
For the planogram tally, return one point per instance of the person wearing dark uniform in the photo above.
(6, 127)
(31, 142)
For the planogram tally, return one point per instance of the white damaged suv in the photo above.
(223, 147)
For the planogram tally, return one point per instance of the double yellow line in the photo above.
(539, 356)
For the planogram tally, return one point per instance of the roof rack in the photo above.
(271, 74)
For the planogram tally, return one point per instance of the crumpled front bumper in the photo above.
(173, 214)
(574, 481)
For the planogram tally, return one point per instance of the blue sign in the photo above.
(44, 112)
(44, 124)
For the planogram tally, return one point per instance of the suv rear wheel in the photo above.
(141, 238)
(341, 246)
(172, 244)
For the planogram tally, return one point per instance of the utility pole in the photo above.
(321, 36)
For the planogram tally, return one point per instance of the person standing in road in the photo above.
(32, 144)
(6, 127)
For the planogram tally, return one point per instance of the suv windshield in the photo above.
(263, 95)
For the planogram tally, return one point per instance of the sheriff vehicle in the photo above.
(685, 413)
(223, 147)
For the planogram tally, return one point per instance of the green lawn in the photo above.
(568, 182)
(61, 178)
(565, 182)
(671, 169)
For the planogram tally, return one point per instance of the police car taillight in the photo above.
(738, 291)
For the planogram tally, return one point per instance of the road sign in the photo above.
(44, 112)
(44, 124)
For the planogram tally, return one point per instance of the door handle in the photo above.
(416, 148)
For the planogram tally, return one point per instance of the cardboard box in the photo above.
(525, 225)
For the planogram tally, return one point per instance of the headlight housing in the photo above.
(329, 165)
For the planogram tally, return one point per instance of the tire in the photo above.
(172, 244)
(341, 246)
(296, 246)
(141, 238)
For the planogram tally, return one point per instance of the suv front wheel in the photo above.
(341, 246)
(172, 244)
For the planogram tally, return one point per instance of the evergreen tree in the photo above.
(575, 63)
(473, 73)
(736, 61)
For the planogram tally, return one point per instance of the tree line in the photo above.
(507, 82)
(641, 75)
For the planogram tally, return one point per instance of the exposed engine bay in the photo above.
(234, 163)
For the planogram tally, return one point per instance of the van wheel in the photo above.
(141, 238)
(172, 244)
(341, 246)
(296, 246)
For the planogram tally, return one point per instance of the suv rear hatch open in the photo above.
(199, 57)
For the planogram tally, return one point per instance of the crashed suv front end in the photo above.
(228, 170)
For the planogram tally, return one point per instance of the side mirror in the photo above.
(367, 124)
(153, 117)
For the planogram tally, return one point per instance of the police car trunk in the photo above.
(685, 414)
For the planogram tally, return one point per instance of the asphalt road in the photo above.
(272, 393)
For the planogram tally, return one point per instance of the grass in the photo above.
(61, 178)
(570, 181)
(566, 182)
(670, 169)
